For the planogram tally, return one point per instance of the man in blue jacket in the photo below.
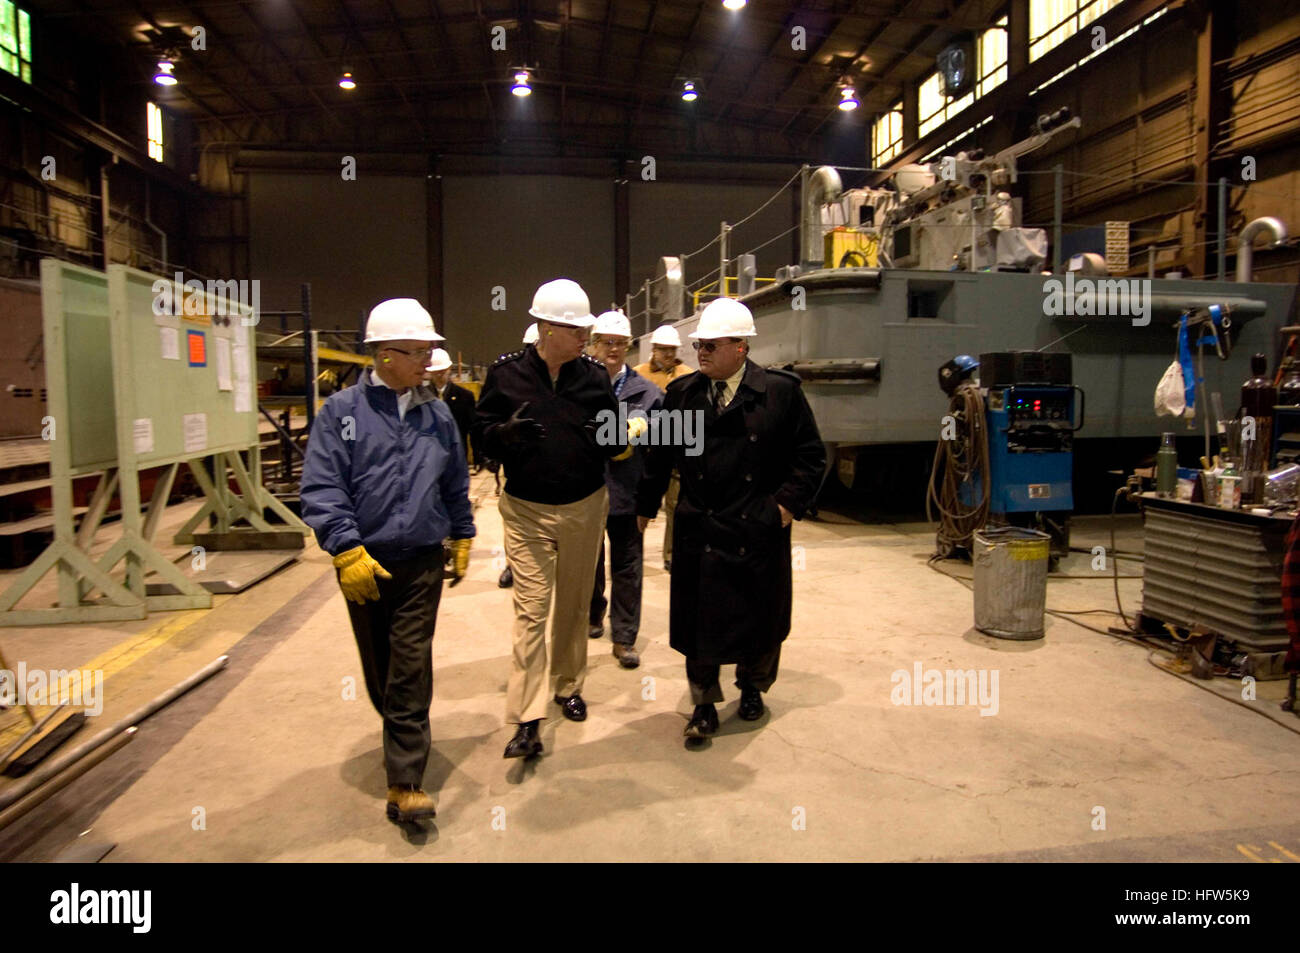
(610, 338)
(384, 485)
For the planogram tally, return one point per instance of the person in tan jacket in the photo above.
(662, 368)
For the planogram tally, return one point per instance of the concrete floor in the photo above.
(277, 765)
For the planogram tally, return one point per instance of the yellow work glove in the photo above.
(357, 573)
(636, 426)
(459, 560)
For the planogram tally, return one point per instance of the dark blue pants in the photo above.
(395, 639)
(625, 563)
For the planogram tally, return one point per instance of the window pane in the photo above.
(8, 31)
(24, 36)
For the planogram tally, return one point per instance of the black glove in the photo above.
(520, 431)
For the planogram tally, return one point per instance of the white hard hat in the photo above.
(530, 336)
(725, 318)
(562, 302)
(666, 335)
(400, 319)
(613, 323)
(440, 360)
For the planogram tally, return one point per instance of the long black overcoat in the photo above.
(731, 578)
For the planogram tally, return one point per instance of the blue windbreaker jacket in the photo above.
(370, 478)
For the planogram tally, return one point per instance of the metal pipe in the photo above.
(49, 770)
(819, 187)
(148, 220)
(1058, 200)
(1223, 228)
(722, 259)
(4, 758)
(66, 777)
(1245, 243)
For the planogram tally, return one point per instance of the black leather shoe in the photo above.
(703, 723)
(751, 704)
(507, 579)
(525, 743)
(575, 709)
(595, 630)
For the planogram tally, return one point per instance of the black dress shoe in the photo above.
(506, 580)
(751, 704)
(575, 709)
(703, 723)
(525, 743)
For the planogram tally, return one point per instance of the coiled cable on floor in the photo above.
(958, 462)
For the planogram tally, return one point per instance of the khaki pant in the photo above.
(552, 550)
(670, 505)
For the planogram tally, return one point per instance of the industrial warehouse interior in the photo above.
(414, 412)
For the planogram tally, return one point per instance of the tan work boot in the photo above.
(408, 802)
(626, 655)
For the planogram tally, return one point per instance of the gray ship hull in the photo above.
(902, 325)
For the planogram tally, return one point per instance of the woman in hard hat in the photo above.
(662, 369)
(610, 338)
(538, 416)
(760, 468)
(385, 486)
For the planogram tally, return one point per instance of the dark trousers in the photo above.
(757, 671)
(395, 638)
(625, 565)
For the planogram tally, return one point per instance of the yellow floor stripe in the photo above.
(126, 652)
(1282, 850)
(1251, 854)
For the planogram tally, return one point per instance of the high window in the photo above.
(155, 132)
(15, 41)
(887, 135)
(1052, 22)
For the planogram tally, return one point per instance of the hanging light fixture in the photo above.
(521, 87)
(164, 75)
(346, 81)
(689, 93)
(848, 98)
(734, 4)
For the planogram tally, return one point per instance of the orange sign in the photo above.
(198, 348)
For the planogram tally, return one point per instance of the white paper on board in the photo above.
(143, 433)
(222, 352)
(171, 343)
(243, 402)
(240, 329)
(242, 368)
(195, 430)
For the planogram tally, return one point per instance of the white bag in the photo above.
(1171, 392)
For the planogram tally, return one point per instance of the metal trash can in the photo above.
(1010, 581)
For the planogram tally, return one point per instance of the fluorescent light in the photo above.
(164, 75)
(521, 87)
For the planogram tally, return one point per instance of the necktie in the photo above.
(719, 404)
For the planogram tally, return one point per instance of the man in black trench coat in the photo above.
(760, 467)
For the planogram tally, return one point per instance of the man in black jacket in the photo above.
(760, 468)
(539, 415)
(458, 400)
